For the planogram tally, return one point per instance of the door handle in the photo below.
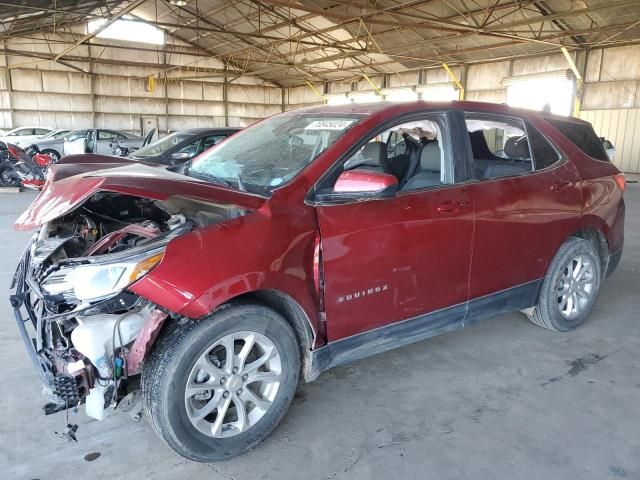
(556, 187)
(452, 206)
(448, 207)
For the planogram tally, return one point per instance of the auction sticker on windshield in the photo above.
(328, 125)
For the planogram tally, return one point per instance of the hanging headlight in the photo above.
(96, 281)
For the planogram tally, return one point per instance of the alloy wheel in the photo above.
(576, 286)
(233, 384)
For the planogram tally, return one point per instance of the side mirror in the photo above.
(179, 157)
(360, 185)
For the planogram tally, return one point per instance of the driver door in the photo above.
(401, 258)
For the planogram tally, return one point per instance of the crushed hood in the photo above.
(69, 186)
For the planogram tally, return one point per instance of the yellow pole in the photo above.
(456, 80)
(312, 87)
(375, 87)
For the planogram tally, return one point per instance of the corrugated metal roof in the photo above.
(290, 42)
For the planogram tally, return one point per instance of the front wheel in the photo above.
(55, 156)
(8, 176)
(215, 388)
(570, 287)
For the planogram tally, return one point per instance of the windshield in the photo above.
(270, 153)
(162, 145)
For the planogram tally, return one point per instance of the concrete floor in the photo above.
(503, 399)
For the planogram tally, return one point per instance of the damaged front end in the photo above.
(85, 333)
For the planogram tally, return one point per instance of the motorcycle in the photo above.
(7, 160)
(26, 166)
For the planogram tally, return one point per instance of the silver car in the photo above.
(100, 141)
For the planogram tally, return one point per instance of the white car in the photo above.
(24, 136)
(98, 141)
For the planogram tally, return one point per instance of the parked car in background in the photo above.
(25, 136)
(608, 146)
(306, 241)
(179, 147)
(99, 141)
(54, 144)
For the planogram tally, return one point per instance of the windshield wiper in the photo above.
(209, 178)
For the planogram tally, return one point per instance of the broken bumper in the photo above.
(57, 389)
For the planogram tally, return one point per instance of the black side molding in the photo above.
(405, 332)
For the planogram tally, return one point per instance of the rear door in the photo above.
(404, 257)
(527, 202)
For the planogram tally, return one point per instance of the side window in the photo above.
(24, 132)
(41, 131)
(583, 137)
(395, 145)
(544, 155)
(192, 148)
(106, 135)
(212, 140)
(414, 152)
(499, 145)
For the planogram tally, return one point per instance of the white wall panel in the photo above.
(622, 128)
(611, 95)
(5, 120)
(4, 100)
(487, 76)
(26, 80)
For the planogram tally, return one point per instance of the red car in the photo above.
(309, 240)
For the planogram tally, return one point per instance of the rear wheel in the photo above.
(215, 388)
(52, 153)
(570, 287)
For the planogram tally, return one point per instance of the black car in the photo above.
(176, 148)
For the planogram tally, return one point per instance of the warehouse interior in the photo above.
(500, 400)
(217, 63)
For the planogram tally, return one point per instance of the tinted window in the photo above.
(499, 145)
(192, 148)
(211, 141)
(583, 137)
(544, 155)
(106, 135)
(24, 132)
(162, 145)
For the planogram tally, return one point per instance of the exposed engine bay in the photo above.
(90, 333)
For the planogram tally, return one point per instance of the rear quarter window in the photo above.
(583, 137)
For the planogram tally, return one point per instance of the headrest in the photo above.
(517, 147)
(430, 158)
(374, 154)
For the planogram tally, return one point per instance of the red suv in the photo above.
(309, 240)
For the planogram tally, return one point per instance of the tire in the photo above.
(560, 292)
(53, 153)
(5, 179)
(177, 359)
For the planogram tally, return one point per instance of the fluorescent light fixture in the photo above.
(178, 3)
(129, 31)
